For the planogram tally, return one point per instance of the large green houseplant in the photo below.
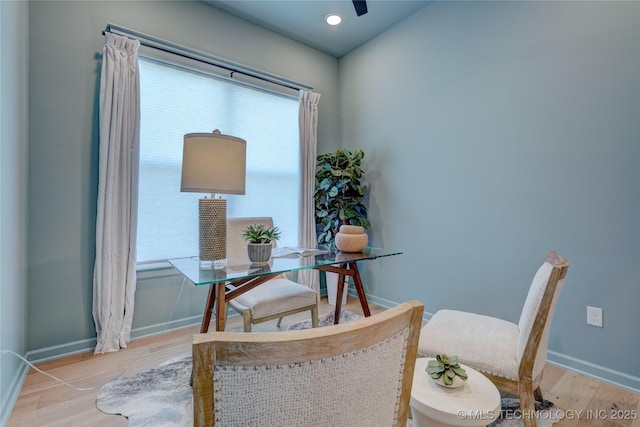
(339, 193)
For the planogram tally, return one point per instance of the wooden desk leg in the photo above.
(358, 283)
(340, 290)
(222, 307)
(208, 309)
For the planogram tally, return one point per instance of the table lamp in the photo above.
(213, 163)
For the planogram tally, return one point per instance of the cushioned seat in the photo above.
(274, 298)
(479, 353)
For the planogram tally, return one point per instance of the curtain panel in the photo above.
(114, 278)
(308, 151)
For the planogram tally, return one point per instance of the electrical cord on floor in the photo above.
(61, 381)
(45, 373)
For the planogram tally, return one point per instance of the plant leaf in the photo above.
(435, 369)
(460, 372)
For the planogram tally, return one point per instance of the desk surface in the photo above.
(239, 267)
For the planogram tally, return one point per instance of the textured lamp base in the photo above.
(213, 230)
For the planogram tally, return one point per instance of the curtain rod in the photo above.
(188, 53)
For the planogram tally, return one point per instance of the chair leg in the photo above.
(527, 403)
(314, 316)
(247, 320)
(279, 322)
(537, 393)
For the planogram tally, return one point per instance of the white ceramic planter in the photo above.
(457, 382)
(351, 238)
(259, 253)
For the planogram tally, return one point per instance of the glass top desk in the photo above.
(240, 276)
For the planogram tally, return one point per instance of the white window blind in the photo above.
(176, 101)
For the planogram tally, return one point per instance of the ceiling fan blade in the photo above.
(360, 6)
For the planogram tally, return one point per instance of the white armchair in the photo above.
(511, 355)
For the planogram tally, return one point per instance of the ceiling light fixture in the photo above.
(333, 19)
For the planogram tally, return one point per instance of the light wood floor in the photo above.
(45, 402)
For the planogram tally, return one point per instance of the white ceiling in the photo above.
(303, 20)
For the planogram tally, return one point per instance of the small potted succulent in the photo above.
(260, 240)
(445, 370)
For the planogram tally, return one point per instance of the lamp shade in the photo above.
(213, 163)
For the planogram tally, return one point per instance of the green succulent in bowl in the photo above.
(445, 367)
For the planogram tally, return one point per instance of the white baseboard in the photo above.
(389, 304)
(600, 373)
(68, 349)
(9, 399)
(161, 328)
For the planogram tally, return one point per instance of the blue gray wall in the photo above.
(13, 205)
(494, 132)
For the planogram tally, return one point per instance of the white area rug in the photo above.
(546, 413)
(327, 320)
(162, 397)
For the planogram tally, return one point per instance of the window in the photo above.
(176, 100)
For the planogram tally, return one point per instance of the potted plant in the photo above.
(260, 240)
(446, 371)
(339, 200)
(339, 193)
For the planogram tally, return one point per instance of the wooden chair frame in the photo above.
(248, 319)
(526, 387)
(260, 349)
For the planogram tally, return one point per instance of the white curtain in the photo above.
(114, 277)
(308, 152)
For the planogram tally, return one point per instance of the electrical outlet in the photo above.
(594, 316)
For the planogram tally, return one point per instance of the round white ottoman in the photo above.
(476, 403)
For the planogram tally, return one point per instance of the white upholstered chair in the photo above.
(509, 354)
(352, 374)
(271, 300)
